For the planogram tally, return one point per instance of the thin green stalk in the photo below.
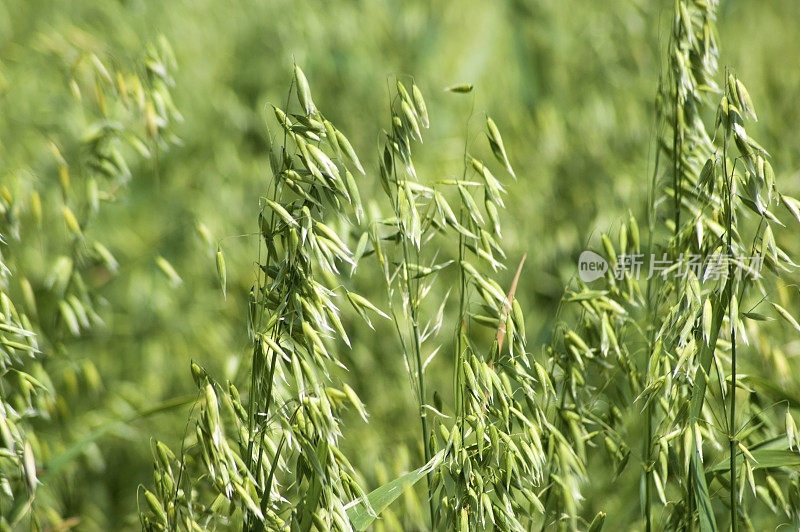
(459, 395)
(648, 444)
(413, 301)
(651, 217)
(648, 511)
(251, 406)
(732, 319)
(677, 146)
(676, 184)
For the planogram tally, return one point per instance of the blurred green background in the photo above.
(570, 83)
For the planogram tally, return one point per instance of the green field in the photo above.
(260, 262)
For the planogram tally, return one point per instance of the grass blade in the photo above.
(363, 513)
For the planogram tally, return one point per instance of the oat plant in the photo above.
(121, 117)
(484, 449)
(666, 370)
(659, 369)
(267, 458)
